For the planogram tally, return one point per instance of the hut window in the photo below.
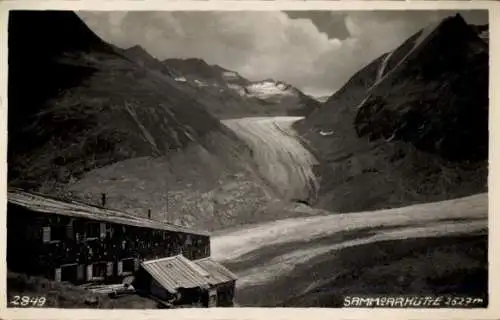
(78, 229)
(102, 230)
(89, 272)
(70, 230)
(93, 230)
(212, 298)
(58, 233)
(46, 234)
(99, 270)
(69, 272)
(109, 231)
(128, 265)
(119, 268)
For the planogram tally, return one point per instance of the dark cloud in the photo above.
(314, 50)
(332, 24)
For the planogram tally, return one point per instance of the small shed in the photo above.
(178, 281)
(220, 279)
(175, 280)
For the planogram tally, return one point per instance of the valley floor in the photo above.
(429, 248)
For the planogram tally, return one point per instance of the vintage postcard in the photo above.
(225, 158)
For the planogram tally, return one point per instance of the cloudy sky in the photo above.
(316, 51)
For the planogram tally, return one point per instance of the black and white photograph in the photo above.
(232, 159)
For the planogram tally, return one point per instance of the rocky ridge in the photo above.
(411, 126)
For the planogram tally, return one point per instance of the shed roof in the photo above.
(217, 272)
(48, 204)
(176, 272)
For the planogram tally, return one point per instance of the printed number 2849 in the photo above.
(27, 301)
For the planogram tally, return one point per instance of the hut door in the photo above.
(212, 298)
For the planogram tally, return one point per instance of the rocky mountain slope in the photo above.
(411, 126)
(87, 118)
(228, 95)
(225, 93)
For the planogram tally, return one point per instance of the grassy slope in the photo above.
(62, 295)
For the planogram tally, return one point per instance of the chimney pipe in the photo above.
(149, 213)
(103, 199)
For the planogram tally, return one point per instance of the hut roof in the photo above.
(52, 205)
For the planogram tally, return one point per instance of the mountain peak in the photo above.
(406, 122)
(449, 37)
(456, 21)
(194, 63)
(441, 61)
(137, 49)
(198, 69)
(188, 62)
(139, 54)
(44, 31)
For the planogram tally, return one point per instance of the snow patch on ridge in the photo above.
(383, 66)
(382, 74)
(230, 75)
(266, 89)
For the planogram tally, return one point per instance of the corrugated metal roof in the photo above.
(176, 272)
(47, 204)
(218, 273)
